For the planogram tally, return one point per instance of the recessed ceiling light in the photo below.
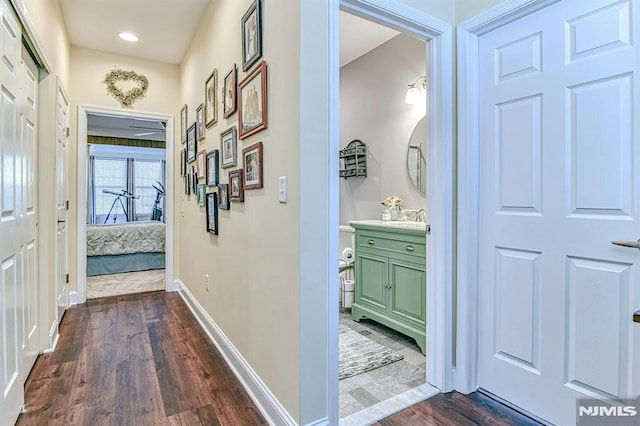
(128, 36)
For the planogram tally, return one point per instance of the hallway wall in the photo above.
(253, 262)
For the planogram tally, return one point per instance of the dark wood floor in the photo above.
(143, 359)
(136, 359)
(455, 409)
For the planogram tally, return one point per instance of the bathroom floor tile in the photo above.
(365, 390)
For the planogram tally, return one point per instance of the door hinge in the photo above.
(66, 277)
(66, 205)
(66, 132)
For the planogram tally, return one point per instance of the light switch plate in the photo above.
(282, 189)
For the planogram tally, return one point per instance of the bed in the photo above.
(125, 247)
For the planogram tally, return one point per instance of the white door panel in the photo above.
(61, 188)
(559, 181)
(11, 398)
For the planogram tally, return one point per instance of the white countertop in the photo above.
(393, 224)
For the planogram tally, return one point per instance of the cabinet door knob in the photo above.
(371, 242)
(409, 248)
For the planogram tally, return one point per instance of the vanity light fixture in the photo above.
(128, 36)
(415, 91)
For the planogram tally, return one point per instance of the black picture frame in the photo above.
(192, 143)
(252, 35)
(212, 213)
(213, 169)
(223, 196)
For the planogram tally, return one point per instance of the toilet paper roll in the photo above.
(347, 254)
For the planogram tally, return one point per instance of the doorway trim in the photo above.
(468, 249)
(80, 296)
(318, 241)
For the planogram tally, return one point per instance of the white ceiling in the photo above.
(165, 29)
(127, 128)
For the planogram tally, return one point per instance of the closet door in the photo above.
(11, 318)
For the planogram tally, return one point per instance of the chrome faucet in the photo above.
(421, 215)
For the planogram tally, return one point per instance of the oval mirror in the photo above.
(416, 157)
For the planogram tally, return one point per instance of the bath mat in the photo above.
(359, 354)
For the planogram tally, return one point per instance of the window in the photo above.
(128, 175)
(110, 174)
(146, 174)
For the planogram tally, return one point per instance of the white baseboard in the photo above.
(54, 336)
(267, 403)
(74, 298)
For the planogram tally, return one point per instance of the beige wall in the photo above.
(88, 68)
(466, 9)
(253, 262)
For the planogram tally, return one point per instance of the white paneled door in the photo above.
(18, 215)
(559, 180)
(62, 203)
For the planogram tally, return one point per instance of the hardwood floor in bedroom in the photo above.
(135, 359)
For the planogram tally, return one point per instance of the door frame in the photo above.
(80, 296)
(468, 249)
(439, 200)
(319, 164)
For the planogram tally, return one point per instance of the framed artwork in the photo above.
(229, 93)
(212, 213)
(183, 123)
(212, 168)
(236, 189)
(194, 181)
(202, 193)
(192, 143)
(252, 163)
(202, 164)
(223, 196)
(211, 101)
(200, 122)
(183, 162)
(252, 109)
(252, 35)
(229, 147)
(187, 184)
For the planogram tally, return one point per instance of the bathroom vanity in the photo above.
(390, 261)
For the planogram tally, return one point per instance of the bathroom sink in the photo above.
(402, 224)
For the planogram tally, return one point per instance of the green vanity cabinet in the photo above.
(391, 276)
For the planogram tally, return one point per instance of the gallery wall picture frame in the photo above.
(252, 166)
(229, 92)
(200, 132)
(201, 162)
(236, 187)
(194, 180)
(213, 172)
(183, 123)
(252, 35)
(192, 143)
(187, 184)
(183, 162)
(212, 213)
(223, 196)
(202, 193)
(228, 147)
(252, 104)
(211, 99)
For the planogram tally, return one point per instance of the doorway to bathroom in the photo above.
(386, 87)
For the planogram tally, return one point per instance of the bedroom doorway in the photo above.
(124, 201)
